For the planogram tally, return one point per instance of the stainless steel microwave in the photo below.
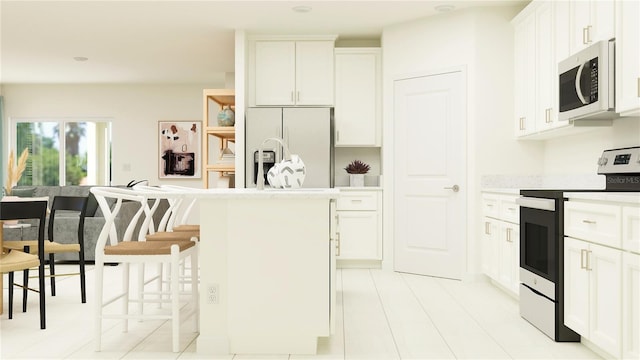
(587, 83)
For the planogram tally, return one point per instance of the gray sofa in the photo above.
(66, 226)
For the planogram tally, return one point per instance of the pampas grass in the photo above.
(14, 173)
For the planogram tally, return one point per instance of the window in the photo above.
(64, 152)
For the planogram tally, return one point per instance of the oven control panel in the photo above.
(620, 161)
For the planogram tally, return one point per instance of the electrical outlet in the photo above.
(213, 294)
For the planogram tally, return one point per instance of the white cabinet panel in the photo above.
(599, 223)
(358, 233)
(576, 286)
(631, 228)
(360, 225)
(357, 103)
(631, 306)
(501, 240)
(546, 84)
(628, 57)
(292, 72)
(275, 72)
(593, 293)
(604, 266)
(590, 21)
(358, 200)
(525, 76)
(314, 73)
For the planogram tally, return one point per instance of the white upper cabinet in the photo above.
(590, 21)
(628, 58)
(537, 53)
(291, 72)
(546, 110)
(275, 72)
(314, 72)
(548, 32)
(525, 75)
(357, 106)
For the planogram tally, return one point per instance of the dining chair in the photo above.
(16, 259)
(51, 247)
(63, 205)
(123, 248)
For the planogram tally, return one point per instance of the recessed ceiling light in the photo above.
(80, 58)
(301, 9)
(444, 8)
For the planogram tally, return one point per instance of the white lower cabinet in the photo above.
(602, 271)
(631, 306)
(501, 240)
(359, 225)
(592, 293)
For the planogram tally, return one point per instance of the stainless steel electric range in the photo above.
(542, 242)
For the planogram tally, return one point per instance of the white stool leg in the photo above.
(175, 297)
(125, 297)
(194, 288)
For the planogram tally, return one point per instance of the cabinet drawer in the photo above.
(490, 205)
(360, 200)
(509, 210)
(599, 223)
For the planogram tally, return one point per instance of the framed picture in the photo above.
(179, 144)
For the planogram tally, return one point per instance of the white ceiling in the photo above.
(172, 41)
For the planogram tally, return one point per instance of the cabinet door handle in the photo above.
(588, 262)
(297, 95)
(582, 251)
(487, 228)
(588, 34)
(292, 96)
(588, 221)
(509, 235)
(585, 35)
(547, 115)
(337, 244)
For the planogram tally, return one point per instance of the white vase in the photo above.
(356, 180)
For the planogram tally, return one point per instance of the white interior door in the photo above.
(429, 175)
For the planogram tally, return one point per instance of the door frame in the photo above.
(388, 136)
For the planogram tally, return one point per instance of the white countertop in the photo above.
(239, 193)
(359, 188)
(508, 191)
(623, 197)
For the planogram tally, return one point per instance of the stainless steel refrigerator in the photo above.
(308, 132)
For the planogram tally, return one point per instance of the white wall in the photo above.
(578, 154)
(134, 111)
(482, 41)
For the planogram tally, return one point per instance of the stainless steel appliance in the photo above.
(306, 131)
(542, 242)
(586, 83)
(268, 160)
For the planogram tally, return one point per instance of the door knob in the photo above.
(455, 188)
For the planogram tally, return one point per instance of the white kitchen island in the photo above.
(266, 268)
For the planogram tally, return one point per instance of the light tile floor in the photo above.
(380, 315)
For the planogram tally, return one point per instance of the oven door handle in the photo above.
(536, 203)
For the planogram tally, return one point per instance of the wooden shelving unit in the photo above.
(226, 134)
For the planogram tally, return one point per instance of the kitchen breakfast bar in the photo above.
(266, 270)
